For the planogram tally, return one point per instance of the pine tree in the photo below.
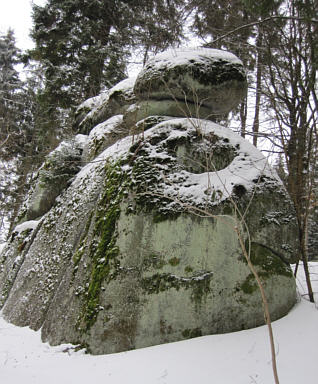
(10, 103)
(84, 45)
(11, 135)
(233, 25)
(24, 137)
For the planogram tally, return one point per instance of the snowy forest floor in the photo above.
(235, 358)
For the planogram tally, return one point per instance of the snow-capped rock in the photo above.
(147, 243)
(97, 110)
(202, 83)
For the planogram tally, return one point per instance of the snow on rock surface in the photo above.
(31, 224)
(113, 102)
(185, 56)
(103, 136)
(125, 86)
(245, 164)
(2, 245)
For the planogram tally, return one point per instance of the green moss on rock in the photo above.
(269, 263)
(249, 285)
(139, 177)
(199, 284)
(174, 261)
(104, 255)
(191, 333)
(188, 269)
(153, 261)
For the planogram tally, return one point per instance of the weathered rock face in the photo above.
(103, 136)
(142, 247)
(53, 177)
(12, 257)
(98, 109)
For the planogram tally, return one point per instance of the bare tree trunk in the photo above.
(290, 91)
(304, 257)
(258, 90)
(243, 116)
(265, 304)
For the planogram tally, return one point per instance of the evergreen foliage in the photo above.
(83, 46)
(10, 100)
(24, 128)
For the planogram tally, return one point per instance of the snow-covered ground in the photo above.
(235, 358)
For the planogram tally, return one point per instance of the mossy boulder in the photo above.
(142, 248)
(141, 222)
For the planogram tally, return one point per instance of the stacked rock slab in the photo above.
(204, 83)
(142, 247)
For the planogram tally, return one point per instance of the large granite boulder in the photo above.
(103, 136)
(202, 83)
(149, 254)
(142, 246)
(53, 177)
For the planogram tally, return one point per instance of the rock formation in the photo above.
(100, 108)
(53, 177)
(141, 248)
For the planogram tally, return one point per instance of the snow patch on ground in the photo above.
(240, 357)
